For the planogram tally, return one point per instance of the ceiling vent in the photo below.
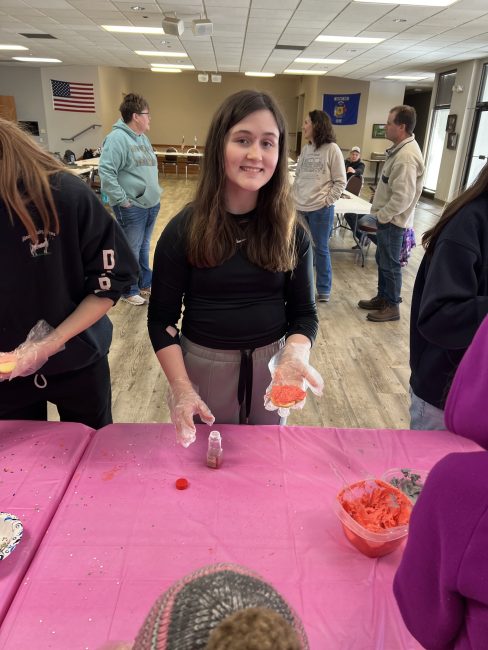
(173, 26)
(300, 48)
(39, 36)
(202, 27)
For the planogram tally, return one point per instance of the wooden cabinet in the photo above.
(7, 107)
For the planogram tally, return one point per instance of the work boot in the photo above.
(375, 303)
(389, 312)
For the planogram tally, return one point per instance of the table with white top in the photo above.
(84, 167)
(180, 154)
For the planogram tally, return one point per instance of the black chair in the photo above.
(170, 160)
(192, 160)
(354, 185)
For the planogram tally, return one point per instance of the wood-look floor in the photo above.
(364, 365)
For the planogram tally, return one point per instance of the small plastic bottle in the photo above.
(214, 451)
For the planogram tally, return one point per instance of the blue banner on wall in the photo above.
(342, 109)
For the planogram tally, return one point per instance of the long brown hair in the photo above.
(270, 236)
(25, 173)
(479, 186)
(323, 131)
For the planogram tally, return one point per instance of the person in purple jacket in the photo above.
(442, 583)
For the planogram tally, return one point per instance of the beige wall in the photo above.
(114, 84)
(61, 124)
(383, 96)
(182, 106)
(25, 85)
(376, 100)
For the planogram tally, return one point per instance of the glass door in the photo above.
(437, 133)
(479, 154)
(436, 146)
(478, 151)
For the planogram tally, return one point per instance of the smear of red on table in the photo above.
(181, 483)
(110, 474)
(287, 395)
(376, 505)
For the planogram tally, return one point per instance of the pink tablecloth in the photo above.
(37, 461)
(123, 533)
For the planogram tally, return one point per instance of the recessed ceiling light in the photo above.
(259, 74)
(324, 61)
(129, 29)
(173, 65)
(316, 72)
(421, 3)
(182, 55)
(399, 20)
(138, 8)
(348, 39)
(35, 59)
(165, 70)
(13, 47)
(401, 77)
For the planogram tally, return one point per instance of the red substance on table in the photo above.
(287, 396)
(182, 483)
(376, 505)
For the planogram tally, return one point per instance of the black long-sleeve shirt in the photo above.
(48, 280)
(449, 301)
(357, 165)
(236, 305)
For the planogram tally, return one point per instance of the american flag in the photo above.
(73, 96)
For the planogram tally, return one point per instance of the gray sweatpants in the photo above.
(216, 374)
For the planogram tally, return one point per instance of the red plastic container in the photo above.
(373, 543)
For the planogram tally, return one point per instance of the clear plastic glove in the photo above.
(41, 343)
(184, 402)
(290, 367)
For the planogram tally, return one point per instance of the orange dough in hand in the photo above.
(287, 396)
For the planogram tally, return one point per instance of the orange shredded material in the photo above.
(287, 396)
(376, 505)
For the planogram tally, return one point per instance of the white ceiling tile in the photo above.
(246, 32)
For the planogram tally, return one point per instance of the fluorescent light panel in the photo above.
(259, 74)
(165, 70)
(129, 29)
(13, 47)
(302, 59)
(419, 3)
(175, 55)
(173, 65)
(35, 59)
(348, 39)
(315, 72)
(402, 77)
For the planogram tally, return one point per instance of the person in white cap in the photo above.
(353, 163)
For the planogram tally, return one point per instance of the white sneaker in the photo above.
(134, 300)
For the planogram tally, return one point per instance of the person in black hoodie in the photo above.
(63, 261)
(449, 302)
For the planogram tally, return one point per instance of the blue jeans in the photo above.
(425, 416)
(321, 223)
(138, 224)
(389, 240)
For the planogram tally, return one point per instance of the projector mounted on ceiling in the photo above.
(173, 25)
(202, 27)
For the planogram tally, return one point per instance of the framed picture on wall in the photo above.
(379, 131)
(452, 140)
(451, 123)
